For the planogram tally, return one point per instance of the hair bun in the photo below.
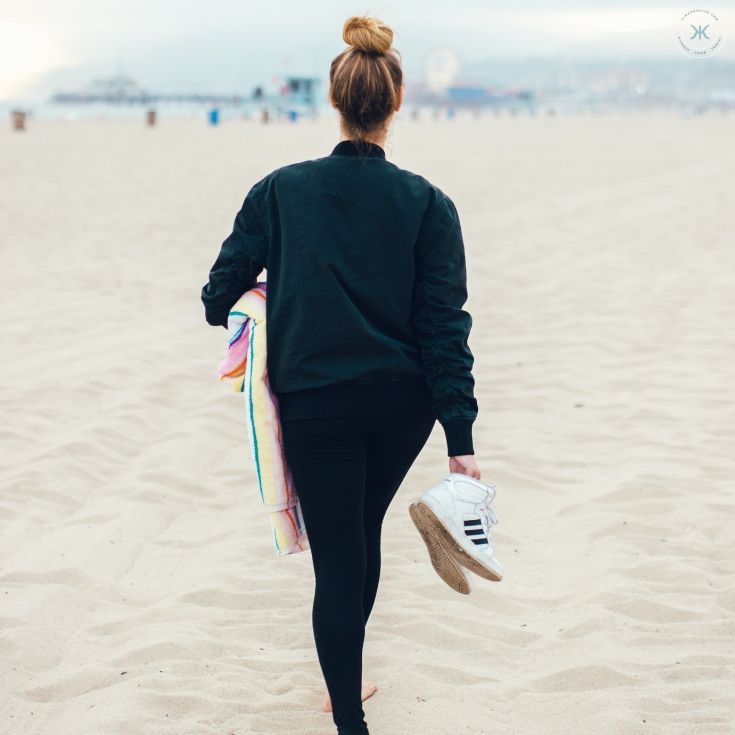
(367, 34)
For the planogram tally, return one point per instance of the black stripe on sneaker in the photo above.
(479, 541)
(474, 532)
(473, 522)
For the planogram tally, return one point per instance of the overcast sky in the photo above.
(230, 45)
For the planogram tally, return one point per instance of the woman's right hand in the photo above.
(465, 465)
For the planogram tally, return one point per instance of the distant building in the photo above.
(477, 97)
(118, 89)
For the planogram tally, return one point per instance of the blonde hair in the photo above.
(366, 77)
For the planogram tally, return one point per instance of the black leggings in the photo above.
(346, 472)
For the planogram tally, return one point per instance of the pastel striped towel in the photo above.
(245, 367)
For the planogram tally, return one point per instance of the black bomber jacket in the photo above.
(366, 279)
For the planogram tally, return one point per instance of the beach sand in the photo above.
(140, 591)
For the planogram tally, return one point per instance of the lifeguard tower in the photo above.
(300, 93)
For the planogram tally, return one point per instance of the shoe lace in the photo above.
(488, 516)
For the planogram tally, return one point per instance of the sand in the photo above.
(140, 591)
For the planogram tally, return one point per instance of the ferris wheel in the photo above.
(441, 68)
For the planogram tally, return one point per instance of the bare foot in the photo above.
(368, 689)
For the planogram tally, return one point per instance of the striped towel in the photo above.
(245, 367)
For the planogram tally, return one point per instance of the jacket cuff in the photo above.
(458, 433)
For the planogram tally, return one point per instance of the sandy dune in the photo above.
(139, 589)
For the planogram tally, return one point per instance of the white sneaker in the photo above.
(457, 513)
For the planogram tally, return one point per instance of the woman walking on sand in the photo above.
(367, 340)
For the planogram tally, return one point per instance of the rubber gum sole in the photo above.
(444, 565)
(429, 520)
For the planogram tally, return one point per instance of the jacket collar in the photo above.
(358, 148)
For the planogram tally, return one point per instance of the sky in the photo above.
(232, 45)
